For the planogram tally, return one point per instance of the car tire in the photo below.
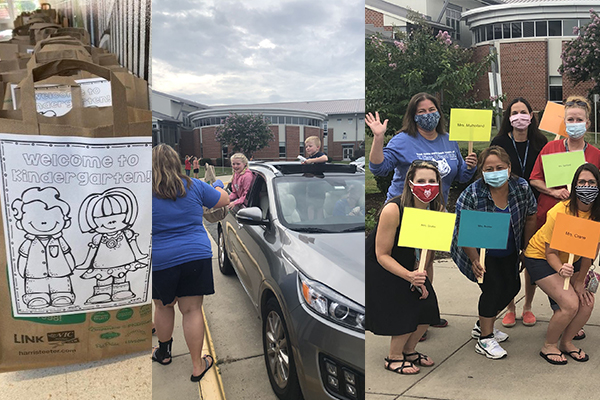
(277, 349)
(225, 265)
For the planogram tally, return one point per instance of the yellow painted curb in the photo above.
(211, 386)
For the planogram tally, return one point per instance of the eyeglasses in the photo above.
(591, 182)
(577, 102)
(418, 163)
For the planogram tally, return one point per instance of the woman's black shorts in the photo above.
(194, 278)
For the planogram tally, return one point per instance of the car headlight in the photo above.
(331, 305)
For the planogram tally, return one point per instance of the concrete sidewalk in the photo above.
(462, 374)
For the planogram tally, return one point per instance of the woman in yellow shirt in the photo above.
(548, 268)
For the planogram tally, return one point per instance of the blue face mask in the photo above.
(429, 121)
(577, 130)
(496, 178)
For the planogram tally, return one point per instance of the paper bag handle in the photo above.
(53, 68)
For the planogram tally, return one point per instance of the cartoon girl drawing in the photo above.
(113, 251)
(45, 260)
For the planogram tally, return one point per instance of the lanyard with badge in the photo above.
(522, 163)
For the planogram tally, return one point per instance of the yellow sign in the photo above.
(426, 229)
(470, 125)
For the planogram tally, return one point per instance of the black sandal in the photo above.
(162, 352)
(400, 369)
(420, 356)
(207, 366)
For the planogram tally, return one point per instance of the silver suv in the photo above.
(297, 247)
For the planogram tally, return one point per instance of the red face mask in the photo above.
(425, 192)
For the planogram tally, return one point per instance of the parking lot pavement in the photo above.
(236, 332)
(462, 374)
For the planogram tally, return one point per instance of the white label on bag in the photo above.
(56, 100)
(95, 92)
(77, 222)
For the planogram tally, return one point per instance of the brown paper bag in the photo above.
(42, 342)
(41, 31)
(8, 51)
(78, 33)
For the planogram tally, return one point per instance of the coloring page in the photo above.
(77, 222)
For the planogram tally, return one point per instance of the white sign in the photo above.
(77, 222)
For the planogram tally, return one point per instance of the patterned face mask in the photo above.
(425, 192)
(587, 194)
(428, 121)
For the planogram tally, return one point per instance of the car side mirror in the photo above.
(251, 216)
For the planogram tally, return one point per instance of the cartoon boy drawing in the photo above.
(113, 251)
(45, 260)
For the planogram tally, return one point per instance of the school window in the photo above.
(568, 25)
(350, 120)
(516, 29)
(324, 127)
(554, 28)
(281, 150)
(453, 14)
(555, 91)
(541, 28)
(528, 29)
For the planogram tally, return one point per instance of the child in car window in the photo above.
(349, 205)
(312, 146)
(242, 180)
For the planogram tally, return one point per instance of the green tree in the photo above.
(415, 62)
(244, 133)
(581, 56)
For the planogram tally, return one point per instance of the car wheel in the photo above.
(278, 353)
(225, 265)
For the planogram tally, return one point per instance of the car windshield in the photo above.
(317, 203)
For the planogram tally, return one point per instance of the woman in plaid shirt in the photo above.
(496, 191)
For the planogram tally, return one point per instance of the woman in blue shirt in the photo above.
(181, 255)
(422, 137)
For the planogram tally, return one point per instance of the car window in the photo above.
(321, 203)
(259, 196)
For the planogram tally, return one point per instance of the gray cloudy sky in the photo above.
(241, 52)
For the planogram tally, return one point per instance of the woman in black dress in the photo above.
(520, 137)
(400, 301)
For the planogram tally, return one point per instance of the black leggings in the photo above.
(501, 283)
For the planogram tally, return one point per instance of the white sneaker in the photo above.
(498, 335)
(490, 348)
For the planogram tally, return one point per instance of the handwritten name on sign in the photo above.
(470, 125)
(575, 235)
(491, 234)
(426, 229)
(559, 168)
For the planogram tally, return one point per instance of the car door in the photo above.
(250, 240)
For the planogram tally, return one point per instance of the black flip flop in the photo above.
(195, 378)
(578, 336)
(551, 361)
(400, 369)
(578, 352)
